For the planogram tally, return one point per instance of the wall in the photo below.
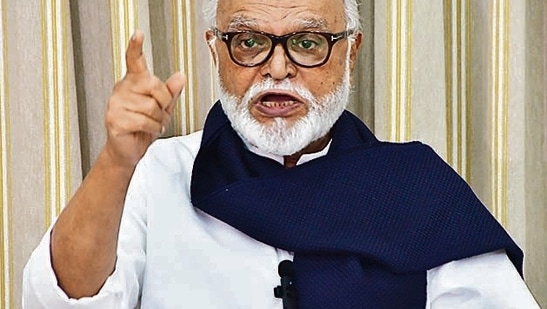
(466, 76)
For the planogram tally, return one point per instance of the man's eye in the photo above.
(307, 44)
(249, 43)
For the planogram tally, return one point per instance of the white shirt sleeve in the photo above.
(121, 289)
(484, 281)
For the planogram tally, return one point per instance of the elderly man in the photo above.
(280, 172)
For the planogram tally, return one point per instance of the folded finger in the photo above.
(132, 122)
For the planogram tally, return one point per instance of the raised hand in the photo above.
(85, 237)
(140, 107)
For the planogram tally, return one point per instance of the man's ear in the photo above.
(355, 45)
(210, 39)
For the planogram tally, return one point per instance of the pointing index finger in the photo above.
(134, 56)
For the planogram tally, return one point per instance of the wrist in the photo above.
(108, 160)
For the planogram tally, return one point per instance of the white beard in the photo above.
(280, 138)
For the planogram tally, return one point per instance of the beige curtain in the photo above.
(466, 76)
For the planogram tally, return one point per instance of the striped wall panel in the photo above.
(499, 107)
(6, 228)
(399, 70)
(185, 60)
(56, 106)
(458, 79)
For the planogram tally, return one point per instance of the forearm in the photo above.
(84, 238)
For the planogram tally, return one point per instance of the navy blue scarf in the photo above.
(365, 222)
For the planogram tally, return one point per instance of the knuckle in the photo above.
(144, 125)
(153, 109)
(139, 83)
(141, 124)
(109, 116)
(113, 106)
(123, 86)
(112, 122)
(159, 87)
(148, 107)
(154, 81)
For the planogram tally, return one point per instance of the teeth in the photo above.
(277, 104)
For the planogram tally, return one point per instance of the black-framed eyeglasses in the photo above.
(305, 48)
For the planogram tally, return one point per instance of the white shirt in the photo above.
(172, 255)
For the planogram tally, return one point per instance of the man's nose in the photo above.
(279, 66)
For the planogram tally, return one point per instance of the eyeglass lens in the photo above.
(304, 48)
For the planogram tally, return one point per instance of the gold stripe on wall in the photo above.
(399, 67)
(124, 20)
(114, 35)
(389, 66)
(408, 82)
(499, 107)
(6, 235)
(457, 83)
(180, 111)
(186, 64)
(398, 61)
(56, 106)
(449, 80)
(505, 116)
(184, 59)
(493, 102)
(186, 41)
(55, 101)
(457, 108)
(193, 61)
(48, 183)
(460, 77)
(468, 81)
(67, 185)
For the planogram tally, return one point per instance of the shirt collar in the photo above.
(303, 159)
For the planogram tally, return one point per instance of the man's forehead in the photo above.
(308, 14)
(243, 21)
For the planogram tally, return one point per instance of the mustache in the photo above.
(283, 85)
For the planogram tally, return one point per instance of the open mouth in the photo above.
(277, 104)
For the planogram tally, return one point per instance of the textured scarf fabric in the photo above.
(365, 222)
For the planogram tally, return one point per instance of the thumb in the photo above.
(175, 84)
